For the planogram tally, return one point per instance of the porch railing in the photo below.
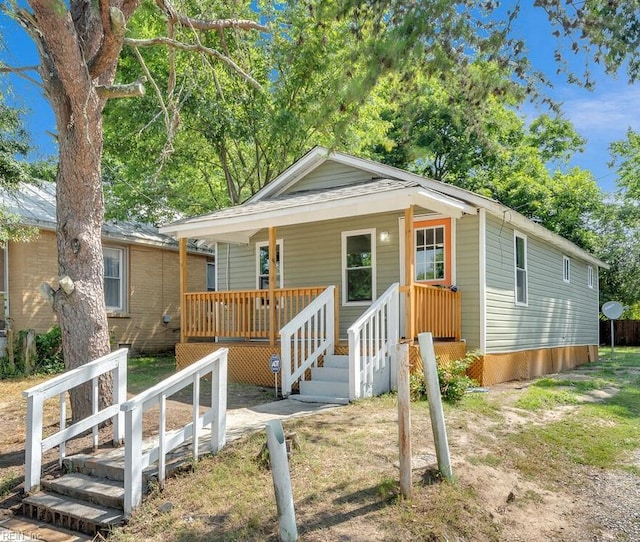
(306, 337)
(242, 313)
(114, 363)
(136, 460)
(371, 338)
(436, 310)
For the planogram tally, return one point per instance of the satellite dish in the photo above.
(612, 310)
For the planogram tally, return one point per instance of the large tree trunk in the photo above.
(72, 44)
(80, 212)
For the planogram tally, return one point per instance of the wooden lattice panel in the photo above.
(247, 364)
(445, 351)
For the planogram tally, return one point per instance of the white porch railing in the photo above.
(36, 445)
(308, 336)
(136, 460)
(371, 339)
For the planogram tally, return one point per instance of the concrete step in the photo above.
(25, 530)
(320, 388)
(109, 493)
(71, 513)
(99, 466)
(336, 361)
(330, 374)
(320, 399)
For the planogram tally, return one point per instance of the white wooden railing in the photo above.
(36, 445)
(136, 460)
(371, 341)
(308, 336)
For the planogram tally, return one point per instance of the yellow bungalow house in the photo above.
(141, 275)
(342, 255)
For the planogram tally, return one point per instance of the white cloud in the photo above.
(606, 114)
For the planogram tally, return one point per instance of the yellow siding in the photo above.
(153, 292)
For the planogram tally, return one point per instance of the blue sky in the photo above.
(601, 116)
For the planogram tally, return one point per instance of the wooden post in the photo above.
(430, 367)
(404, 419)
(272, 285)
(182, 251)
(409, 273)
(336, 314)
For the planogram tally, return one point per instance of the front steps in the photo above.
(90, 504)
(328, 384)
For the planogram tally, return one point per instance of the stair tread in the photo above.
(32, 529)
(77, 480)
(94, 513)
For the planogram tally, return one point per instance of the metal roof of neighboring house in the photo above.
(35, 204)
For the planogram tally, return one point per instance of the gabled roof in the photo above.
(35, 205)
(387, 189)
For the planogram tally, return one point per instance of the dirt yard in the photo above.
(596, 505)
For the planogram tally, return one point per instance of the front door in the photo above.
(432, 252)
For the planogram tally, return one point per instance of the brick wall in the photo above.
(153, 288)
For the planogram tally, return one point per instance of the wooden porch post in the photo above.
(182, 251)
(409, 274)
(272, 285)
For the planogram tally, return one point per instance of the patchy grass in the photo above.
(145, 371)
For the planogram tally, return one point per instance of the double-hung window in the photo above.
(520, 264)
(358, 267)
(211, 275)
(262, 263)
(114, 278)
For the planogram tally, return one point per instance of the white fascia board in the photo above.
(314, 158)
(243, 226)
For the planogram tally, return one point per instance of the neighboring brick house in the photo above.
(142, 290)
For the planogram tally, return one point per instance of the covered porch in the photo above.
(251, 322)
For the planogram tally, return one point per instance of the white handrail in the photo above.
(371, 339)
(306, 337)
(116, 362)
(136, 460)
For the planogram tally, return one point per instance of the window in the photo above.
(358, 264)
(262, 262)
(590, 276)
(520, 262)
(566, 269)
(114, 280)
(433, 251)
(211, 275)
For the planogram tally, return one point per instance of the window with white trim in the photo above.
(590, 276)
(358, 267)
(520, 265)
(262, 265)
(211, 275)
(566, 269)
(114, 278)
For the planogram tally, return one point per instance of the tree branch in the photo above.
(130, 90)
(204, 24)
(152, 42)
(114, 28)
(20, 72)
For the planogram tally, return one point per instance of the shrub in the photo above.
(452, 378)
(48, 355)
